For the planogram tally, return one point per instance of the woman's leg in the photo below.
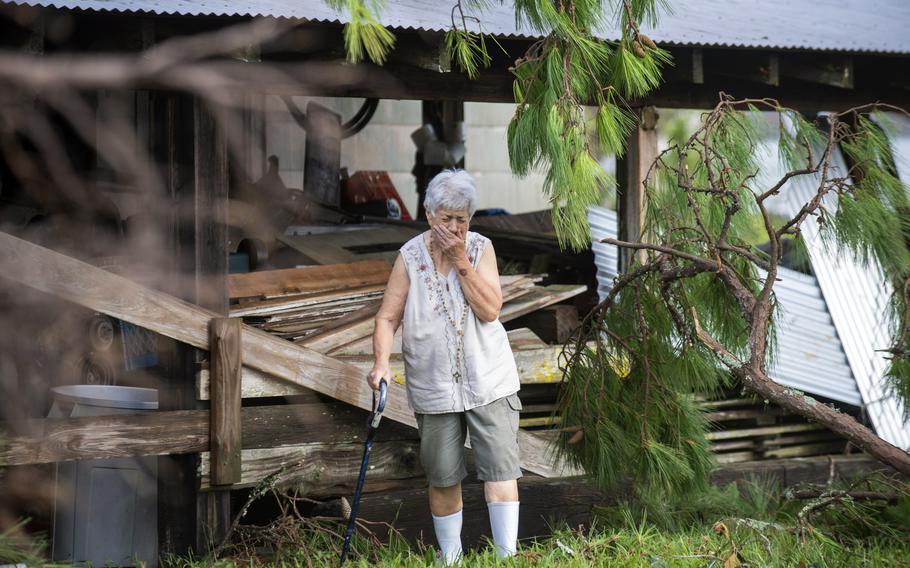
(503, 506)
(446, 506)
(494, 430)
(496, 491)
(445, 500)
(442, 439)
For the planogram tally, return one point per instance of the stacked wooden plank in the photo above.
(331, 308)
(346, 244)
(293, 303)
(746, 429)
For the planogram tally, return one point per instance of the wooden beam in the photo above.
(210, 211)
(833, 71)
(836, 447)
(772, 76)
(553, 324)
(173, 432)
(105, 437)
(791, 471)
(539, 297)
(762, 431)
(538, 365)
(225, 413)
(308, 280)
(322, 155)
(326, 468)
(689, 66)
(631, 170)
(753, 66)
(97, 289)
(170, 130)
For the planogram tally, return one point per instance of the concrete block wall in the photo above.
(487, 159)
(385, 144)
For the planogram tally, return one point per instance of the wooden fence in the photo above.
(240, 446)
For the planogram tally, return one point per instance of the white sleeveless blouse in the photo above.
(488, 370)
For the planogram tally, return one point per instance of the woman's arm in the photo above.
(386, 323)
(481, 286)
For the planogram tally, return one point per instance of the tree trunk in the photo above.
(845, 425)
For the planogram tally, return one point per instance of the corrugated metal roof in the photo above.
(829, 25)
(810, 356)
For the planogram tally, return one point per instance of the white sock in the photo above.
(448, 535)
(504, 523)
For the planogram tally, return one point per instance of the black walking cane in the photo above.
(367, 448)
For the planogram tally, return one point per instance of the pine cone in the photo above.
(637, 49)
(646, 41)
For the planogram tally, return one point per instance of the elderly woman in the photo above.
(460, 371)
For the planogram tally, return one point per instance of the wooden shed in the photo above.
(238, 403)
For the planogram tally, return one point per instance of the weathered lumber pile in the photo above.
(746, 429)
(331, 309)
(296, 302)
(270, 366)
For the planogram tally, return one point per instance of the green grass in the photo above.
(634, 545)
(750, 523)
(17, 548)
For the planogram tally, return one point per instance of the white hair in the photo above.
(451, 189)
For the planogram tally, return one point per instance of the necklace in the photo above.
(458, 327)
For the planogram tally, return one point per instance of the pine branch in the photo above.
(364, 36)
(694, 313)
(556, 77)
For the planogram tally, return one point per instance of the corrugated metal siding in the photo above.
(604, 223)
(810, 355)
(830, 25)
(857, 299)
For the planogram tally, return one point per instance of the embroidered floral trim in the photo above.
(414, 255)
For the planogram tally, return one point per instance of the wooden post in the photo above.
(211, 182)
(322, 155)
(171, 141)
(253, 143)
(210, 238)
(184, 139)
(224, 359)
(631, 169)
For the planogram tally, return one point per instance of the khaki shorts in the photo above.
(494, 438)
